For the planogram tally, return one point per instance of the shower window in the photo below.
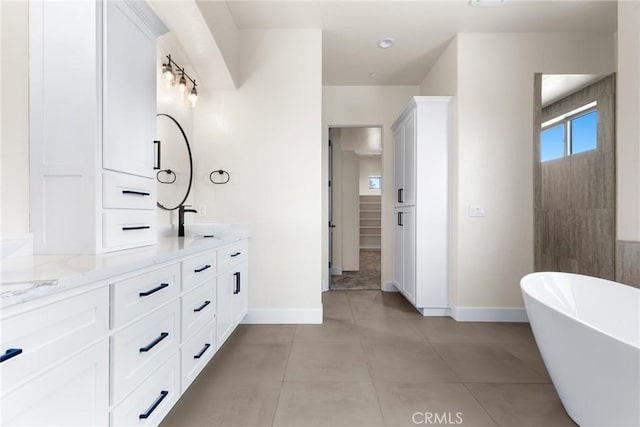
(571, 133)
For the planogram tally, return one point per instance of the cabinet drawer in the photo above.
(75, 392)
(198, 269)
(197, 352)
(134, 297)
(128, 228)
(139, 349)
(198, 307)
(232, 255)
(151, 402)
(49, 334)
(124, 191)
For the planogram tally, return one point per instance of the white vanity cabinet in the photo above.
(233, 289)
(120, 351)
(422, 135)
(92, 115)
(54, 367)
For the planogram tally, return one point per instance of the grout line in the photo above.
(480, 403)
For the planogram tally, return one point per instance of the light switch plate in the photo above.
(476, 211)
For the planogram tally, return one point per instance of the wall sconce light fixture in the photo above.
(170, 76)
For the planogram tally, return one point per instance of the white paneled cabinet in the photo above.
(73, 393)
(92, 108)
(129, 89)
(122, 351)
(421, 205)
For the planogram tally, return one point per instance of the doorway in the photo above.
(355, 207)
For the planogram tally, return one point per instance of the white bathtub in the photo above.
(588, 332)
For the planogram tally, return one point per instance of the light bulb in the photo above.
(183, 84)
(193, 97)
(167, 72)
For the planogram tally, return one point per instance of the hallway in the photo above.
(368, 278)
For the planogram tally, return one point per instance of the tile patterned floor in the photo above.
(374, 361)
(368, 277)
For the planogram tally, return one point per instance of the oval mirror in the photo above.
(174, 164)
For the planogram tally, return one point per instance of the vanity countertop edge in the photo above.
(31, 277)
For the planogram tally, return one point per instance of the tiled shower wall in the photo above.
(628, 263)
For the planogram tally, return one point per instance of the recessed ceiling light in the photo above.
(385, 43)
(486, 3)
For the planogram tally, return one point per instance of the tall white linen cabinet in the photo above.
(92, 118)
(422, 136)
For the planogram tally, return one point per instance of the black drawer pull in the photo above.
(237, 276)
(198, 270)
(236, 254)
(205, 348)
(206, 303)
(154, 342)
(400, 223)
(155, 404)
(400, 191)
(154, 290)
(139, 227)
(136, 193)
(12, 352)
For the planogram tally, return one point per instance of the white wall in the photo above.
(441, 80)
(173, 156)
(267, 135)
(350, 212)
(14, 118)
(369, 166)
(492, 151)
(628, 114)
(365, 106)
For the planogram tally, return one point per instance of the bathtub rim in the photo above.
(530, 276)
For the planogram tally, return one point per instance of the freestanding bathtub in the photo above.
(588, 332)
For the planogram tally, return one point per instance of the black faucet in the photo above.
(181, 211)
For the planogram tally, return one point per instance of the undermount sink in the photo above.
(206, 229)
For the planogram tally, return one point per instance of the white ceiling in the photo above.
(366, 142)
(421, 30)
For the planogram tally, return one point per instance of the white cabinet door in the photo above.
(409, 162)
(409, 254)
(129, 92)
(398, 249)
(225, 292)
(398, 158)
(240, 292)
(74, 393)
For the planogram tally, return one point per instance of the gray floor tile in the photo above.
(263, 333)
(388, 330)
(248, 362)
(522, 404)
(407, 362)
(380, 305)
(488, 363)
(226, 405)
(411, 404)
(327, 361)
(335, 404)
(340, 330)
(447, 330)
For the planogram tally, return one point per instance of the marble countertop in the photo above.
(25, 278)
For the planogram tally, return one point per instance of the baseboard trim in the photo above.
(274, 316)
(489, 314)
(389, 287)
(435, 312)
